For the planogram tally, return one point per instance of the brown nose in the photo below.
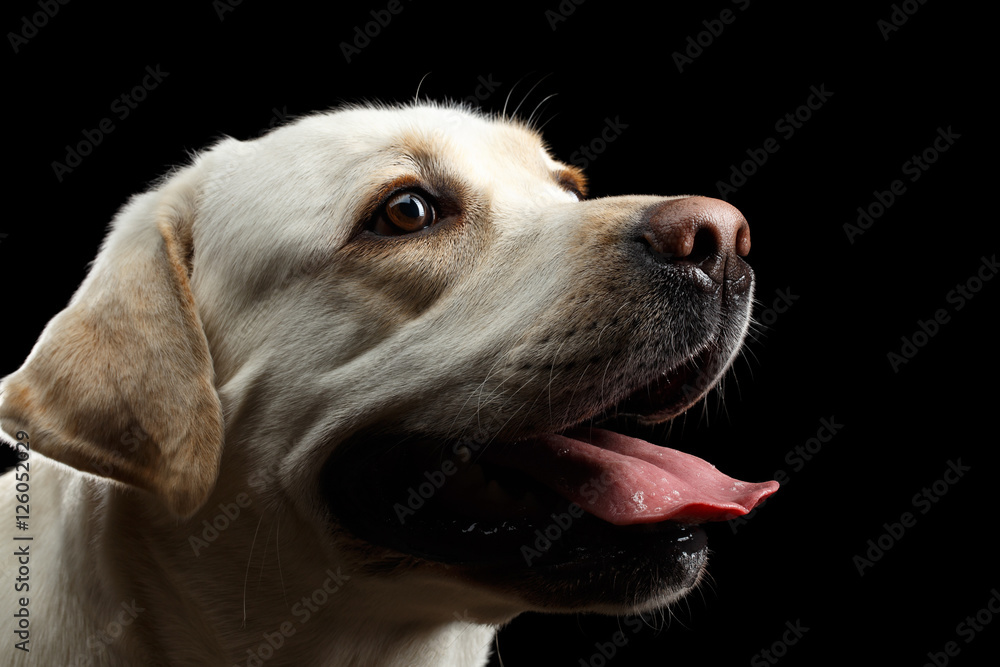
(706, 232)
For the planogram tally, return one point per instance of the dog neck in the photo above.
(263, 593)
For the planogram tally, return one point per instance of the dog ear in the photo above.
(120, 384)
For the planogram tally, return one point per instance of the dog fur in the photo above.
(240, 323)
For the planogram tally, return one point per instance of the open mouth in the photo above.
(547, 500)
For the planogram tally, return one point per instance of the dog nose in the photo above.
(706, 232)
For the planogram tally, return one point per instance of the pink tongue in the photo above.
(628, 481)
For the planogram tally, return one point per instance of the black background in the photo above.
(825, 356)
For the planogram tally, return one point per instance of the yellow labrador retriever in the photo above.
(340, 396)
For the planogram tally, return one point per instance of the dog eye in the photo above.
(405, 213)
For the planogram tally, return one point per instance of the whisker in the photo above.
(277, 553)
(528, 94)
(542, 127)
(503, 114)
(246, 577)
(416, 98)
(537, 107)
(263, 561)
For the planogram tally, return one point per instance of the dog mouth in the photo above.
(549, 500)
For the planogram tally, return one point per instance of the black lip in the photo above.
(623, 569)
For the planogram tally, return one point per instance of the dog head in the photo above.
(415, 321)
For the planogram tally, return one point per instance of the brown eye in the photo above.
(405, 213)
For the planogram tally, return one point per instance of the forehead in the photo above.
(437, 138)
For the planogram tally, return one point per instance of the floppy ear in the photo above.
(120, 383)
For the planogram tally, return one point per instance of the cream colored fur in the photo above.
(231, 333)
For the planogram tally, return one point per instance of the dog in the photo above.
(358, 392)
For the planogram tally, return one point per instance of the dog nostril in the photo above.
(703, 246)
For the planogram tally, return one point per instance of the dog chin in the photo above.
(639, 574)
(584, 566)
